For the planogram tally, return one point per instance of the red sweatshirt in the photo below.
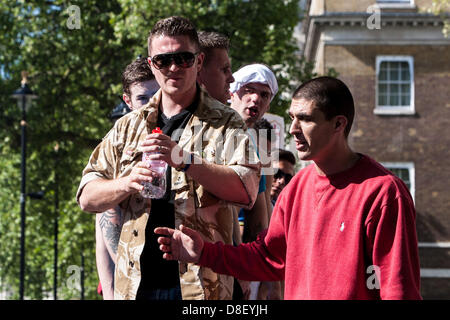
(350, 235)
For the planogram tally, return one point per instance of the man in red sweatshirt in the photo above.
(344, 228)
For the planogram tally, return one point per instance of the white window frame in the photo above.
(411, 171)
(395, 110)
(397, 4)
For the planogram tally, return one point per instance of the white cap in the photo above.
(254, 73)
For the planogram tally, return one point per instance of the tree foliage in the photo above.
(441, 8)
(76, 73)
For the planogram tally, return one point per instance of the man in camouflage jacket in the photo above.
(213, 166)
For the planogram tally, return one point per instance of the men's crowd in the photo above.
(235, 220)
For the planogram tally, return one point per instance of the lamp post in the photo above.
(55, 243)
(24, 97)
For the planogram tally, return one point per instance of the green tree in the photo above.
(75, 68)
(441, 8)
(74, 72)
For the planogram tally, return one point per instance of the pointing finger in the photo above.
(187, 231)
(164, 240)
(164, 231)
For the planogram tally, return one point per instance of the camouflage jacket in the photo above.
(214, 132)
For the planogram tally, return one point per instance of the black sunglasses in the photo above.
(183, 59)
(281, 174)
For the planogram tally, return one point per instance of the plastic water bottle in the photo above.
(157, 187)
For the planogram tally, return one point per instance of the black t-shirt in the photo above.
(157, 273)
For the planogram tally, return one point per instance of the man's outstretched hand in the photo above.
(185, 245)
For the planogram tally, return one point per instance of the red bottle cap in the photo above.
(156, 130)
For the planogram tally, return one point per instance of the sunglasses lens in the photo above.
(280, 174)
(181, 59)
(162, 61)
(184, 59)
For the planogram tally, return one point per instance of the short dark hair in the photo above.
(210, 40)
(137, 71)
(174, 26)
(264, 124)
(287, 156)
(331, 96)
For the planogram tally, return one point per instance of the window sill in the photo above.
(394, 111)
(396, 5)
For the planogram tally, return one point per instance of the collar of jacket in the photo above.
(203, 112)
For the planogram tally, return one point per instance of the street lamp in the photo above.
(24, 97)
(55, 229)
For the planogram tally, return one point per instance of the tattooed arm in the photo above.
(111, 226)
(107, 232)
(105, 265)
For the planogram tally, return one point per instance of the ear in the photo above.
(200, 59)
(340, 123)
(127, 100)
(150, 64)
(232, 96)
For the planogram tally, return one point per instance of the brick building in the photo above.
(396, 62)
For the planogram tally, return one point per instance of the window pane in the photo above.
(406, 100)
(405, 76)
(393, 100)
(384, 65)
(383, 71)
(405, 95)
(406, 88)
(403, 174)
(393, 74)
(394, 89)
(382, 88)
(382, 100)
(394, 65)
